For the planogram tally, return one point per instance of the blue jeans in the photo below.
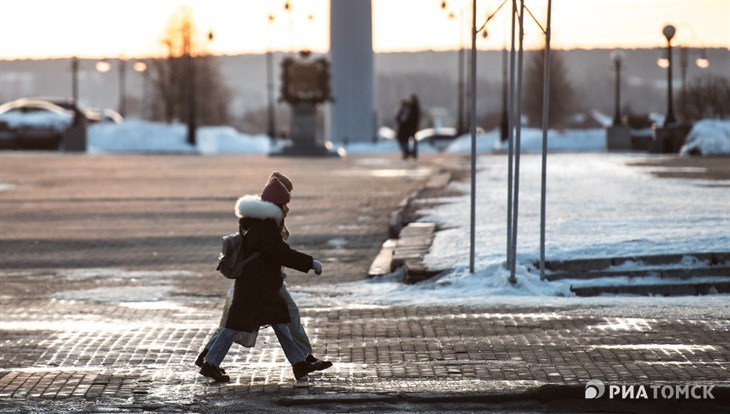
(295, 325)
(225, 339)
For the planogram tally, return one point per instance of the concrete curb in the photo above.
(572, 396)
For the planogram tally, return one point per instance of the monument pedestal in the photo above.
(305, 142)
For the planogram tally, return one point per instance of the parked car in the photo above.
(33, 124)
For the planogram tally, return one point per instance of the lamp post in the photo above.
(75, 79)
(460, 67)
(669, 32)
(617, 56)
(192, 122)
(141, 67)
(192, 90)
(271, 121)
(122, 87)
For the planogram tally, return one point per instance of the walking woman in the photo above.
(257, 300)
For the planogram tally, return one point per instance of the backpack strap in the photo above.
(243, 244)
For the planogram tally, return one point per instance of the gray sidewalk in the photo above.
(109, 292)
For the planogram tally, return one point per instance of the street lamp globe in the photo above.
(103, 66)
(669, 32)
(139, 66)
(702, 61)
(617, 56)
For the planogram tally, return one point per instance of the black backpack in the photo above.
(231, 261)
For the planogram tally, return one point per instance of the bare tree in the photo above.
(187, 65)
(706, 97)
(562, 94)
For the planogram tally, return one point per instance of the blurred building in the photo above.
(352, 114)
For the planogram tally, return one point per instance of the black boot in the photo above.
(318, 363)
(200, 360)
(302, 368)
(211, 371)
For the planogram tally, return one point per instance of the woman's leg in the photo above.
(295, 326)
(290, 348)
(221, 346)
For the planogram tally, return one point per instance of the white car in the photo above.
(33, 124)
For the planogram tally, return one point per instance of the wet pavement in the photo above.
(109, 291)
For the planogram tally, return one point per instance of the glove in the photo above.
(317, 266)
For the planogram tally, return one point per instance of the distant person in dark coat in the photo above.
(401, 127)
(257, 300)
(412, 123)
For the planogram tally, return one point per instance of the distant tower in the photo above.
(352, 114)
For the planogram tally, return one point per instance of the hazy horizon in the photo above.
(93, 29)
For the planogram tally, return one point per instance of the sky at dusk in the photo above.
(94, 28)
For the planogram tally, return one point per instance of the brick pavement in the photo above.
(77, 335)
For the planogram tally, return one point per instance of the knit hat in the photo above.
(284, 180)
(275, 192)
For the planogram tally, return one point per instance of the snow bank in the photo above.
(135, 135)
(707, 137)
(531, 141)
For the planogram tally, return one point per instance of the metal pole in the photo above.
(545, 125)
(271, 122)
(460, 82)
(504, 123)
(510, 134)
(683, 63)
(518, 117)
(670, 105)
(271, 128)
(75, 79)
(473, 128)
(191, 100)
(617, 93)
(122, 87)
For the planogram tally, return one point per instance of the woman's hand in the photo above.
(317, 266)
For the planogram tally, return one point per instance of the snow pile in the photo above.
(138, 136)
(135, 135)
(531, 141)
(224, 140)
(707, 137)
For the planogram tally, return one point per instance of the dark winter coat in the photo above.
(256, 299)
(401, 122)
(414, 118)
